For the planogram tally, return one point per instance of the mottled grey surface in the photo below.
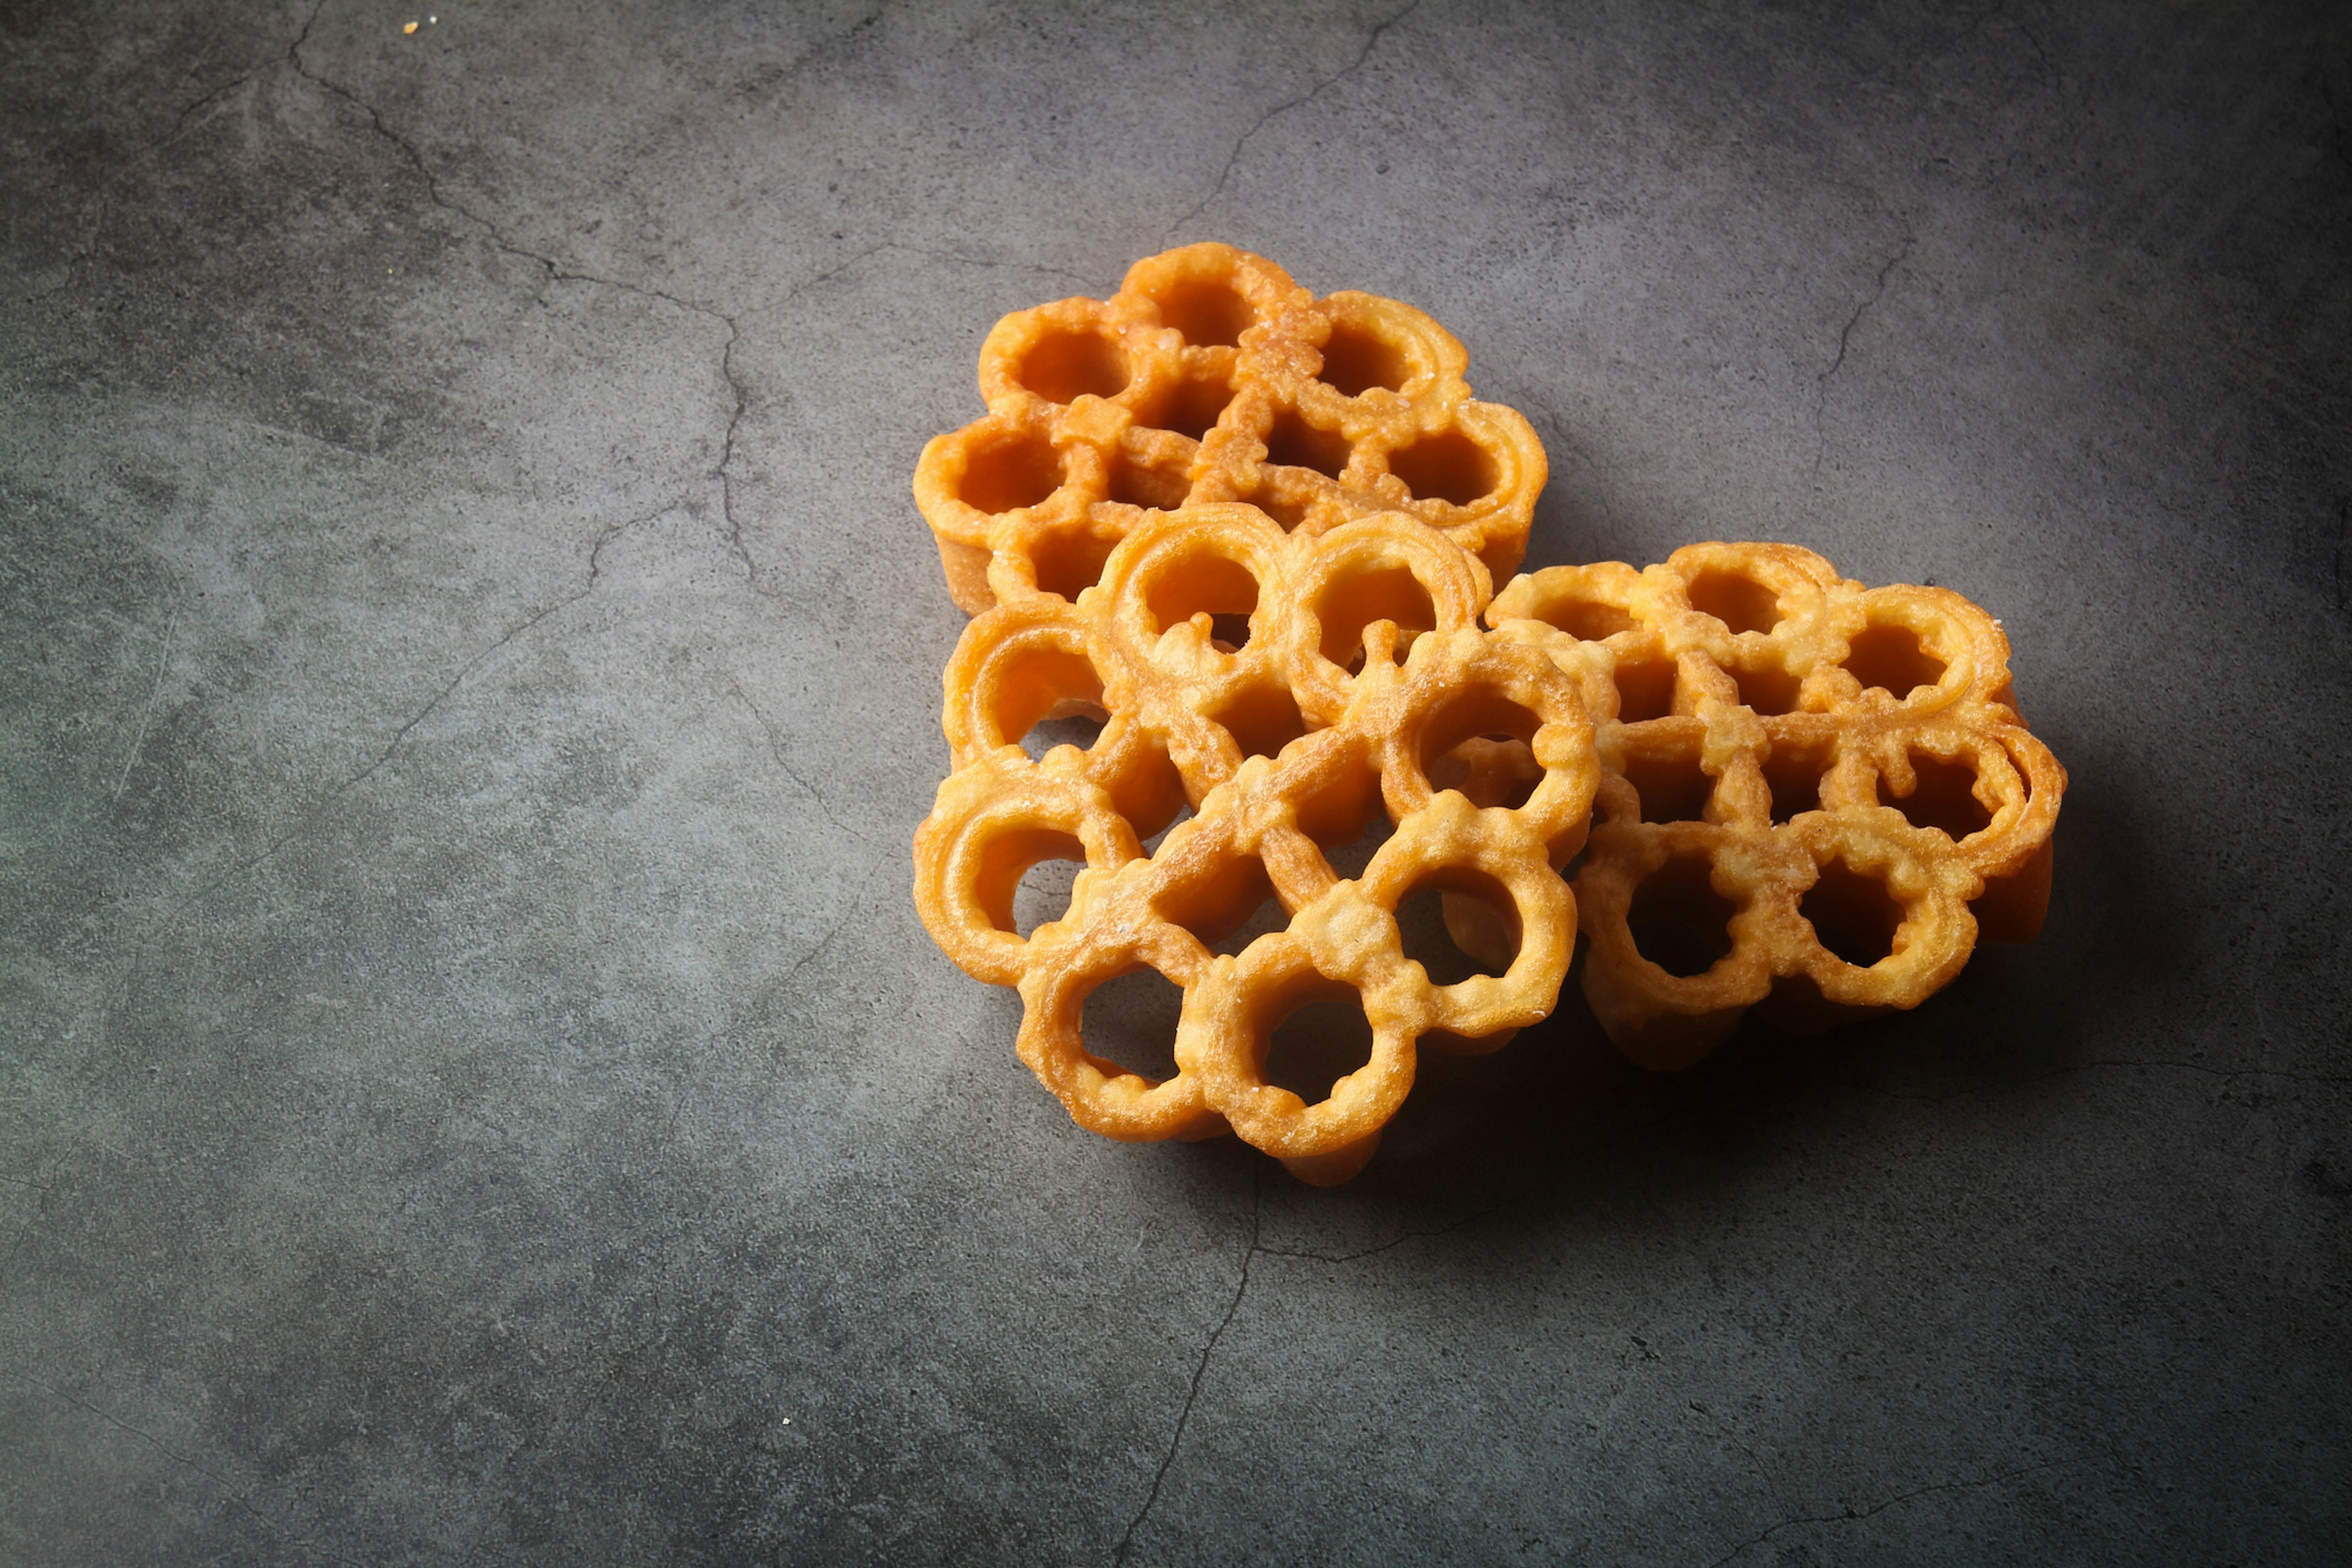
(474, 1087)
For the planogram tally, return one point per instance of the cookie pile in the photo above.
(1357, 667)
(1257, 536)
(1210, 376)
(1815, 796)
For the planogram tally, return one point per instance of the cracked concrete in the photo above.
(1225, 174)
(1200, 1370)
(1761, 1536)
(1844, 340)
(474, 1090)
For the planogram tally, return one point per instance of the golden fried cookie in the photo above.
(1814, 798)
(1287, 686)
(1210, 376)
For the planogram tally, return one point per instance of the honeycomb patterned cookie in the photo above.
(1288, 687)
(1815, 796)
(1210, 376)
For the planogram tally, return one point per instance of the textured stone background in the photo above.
(474, 1088)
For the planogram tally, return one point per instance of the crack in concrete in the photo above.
(2334, 120)
(181, 123)
(311, 813)
(1725, 1433)
(1371, 42)
(771, 80)
(86, 251)
(1999, 12)
(2057, 76)
(147, 721)
(851, 910)
(227, 1490)
(1845, 335)
(776, 749)
(1200, 1370)
(1462, 1223)
(2316, 1176)
(835, 270)
(1852, 1513)
(726, 475)
(739, 391)
(2343, 528)
(558, 272)
(31, 1221)
(1564, 441)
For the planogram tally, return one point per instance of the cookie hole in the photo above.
(1349, 857)
(1130, 1020)
(1147, 790)
(1479, 712)
(1065, 366)
(1262, 720)
(1288, 514)
(1197, 583)
(1079, 730)
(1267, 917)
(1673, 788)
(1741, 603)
(1587, 620)
(1767, 689)
(1295, 444)
(1340, 808)
(1794, 773)
(1358, 359)
(1194, 407)
(1321, 1040)
(1229, 633)
(1069, 561)
(1679, 921)
(1645, 689)
(1219, 903)
(1852, 915)
(1044, 894)
(1463, 896)
(1890, 659)
(1025, 878)
(1421, 923)
(1157, 490)
(1943, 799)
(1489, 772)
(1152, 842)
(1449, 466)
(1350, 603)
(1048, 686)
(1011, 474)
(1208, 312)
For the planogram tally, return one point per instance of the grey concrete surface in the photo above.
(474, 1090)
